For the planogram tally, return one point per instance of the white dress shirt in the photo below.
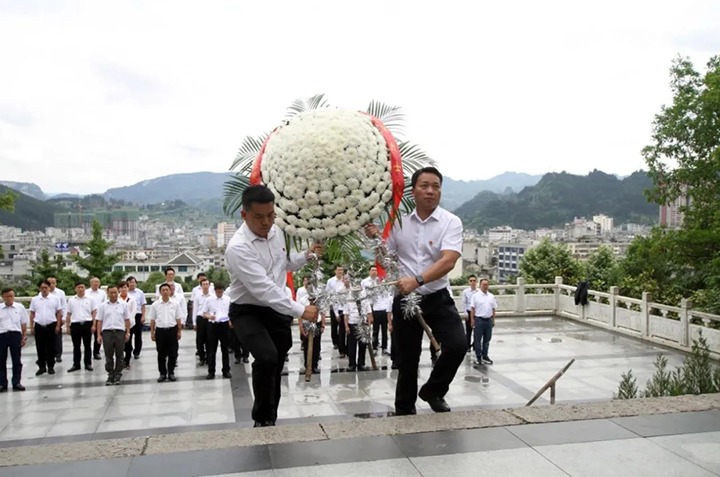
(467, 297)
(12, 318)
(258, 270)
(336, 285)
(63, 300)
(353, 314)
(140, 300)
(198, 301)
(131, 305)
(98, 296)
(81, 309)
(381, 302)
(113, 315)
(218, 307)
(181, 303)
(484, 304)
(45, 309)
(165, 313)
(302, 296)
(419, 244)
(178, 291)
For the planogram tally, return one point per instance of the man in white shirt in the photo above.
(98, 296)
(113, 330)
(54, 290)
(337, 321)
(216, 313)
(165, 330)
(356, 348)
(261, 312)
(301, 294)
(81, 310)
(13, 329)
(199, 297)
(170, 280)
(428, 244)
(381, 310)
(482, 318)
(124, 295)
(467, 304)
(45, 323)
(134, 345)
(303, 298)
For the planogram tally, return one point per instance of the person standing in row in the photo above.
(45, 323)
(381, 310)
(98, 296)
(113, 330)
(177, 288)
(60, 294)
(261, 312)
(303, 298)
(81, 311)
(199, 298)
(354, 314)
(467, 304)
(216, 313)
(165, 330)
(337, 321)
(428, 244)
(131, 303)
(482, 317)
(134, 345)
(13, 330)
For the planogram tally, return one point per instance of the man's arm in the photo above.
(68, 319)
(437, 270)
(472, 317)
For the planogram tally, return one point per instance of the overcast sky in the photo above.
(101, 94)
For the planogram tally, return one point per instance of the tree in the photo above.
(541, 264)
(7, 201)
(53, 267)
(601, 269)
(153, 280)
(97, 261)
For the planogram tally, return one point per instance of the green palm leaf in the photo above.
(301, 105)
(392, 116)
(249, 149)
(232, 193)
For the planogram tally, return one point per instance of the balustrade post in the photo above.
(645, 314)
(614, 292)
(520, 296)
(685, 306)
(558, 282)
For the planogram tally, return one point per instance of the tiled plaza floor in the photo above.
(527, 352)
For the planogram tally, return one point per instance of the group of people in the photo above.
(257, 312)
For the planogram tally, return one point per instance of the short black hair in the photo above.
(259, 194)
(201, 274)
(43, 282)
(220, 286)
(79, 283)
(203, 280)
(339, 266)
(372, 266)
(6, 290)
(131, 278)
(110, 287)
(472, 276)
(164, 285)
(485, 280)
(425, 170)
(122, 283)
(169, 269)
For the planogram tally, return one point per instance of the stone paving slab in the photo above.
(171, 443)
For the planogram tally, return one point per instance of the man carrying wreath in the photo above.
(261, 312)
(428, 242)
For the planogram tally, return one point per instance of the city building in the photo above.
(605, 223)
(509, 257)
(225, 231)
(672, 215)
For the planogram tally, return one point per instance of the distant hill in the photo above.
(559, 197)
(30, 213)
(27, 188)
(192, 188)
(457, 192)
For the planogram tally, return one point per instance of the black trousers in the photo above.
(380, 323)
(316, 349)
(59, 344)
(45, 345)
(337, 331)
(441, 315)
(356, 348)
(10, 341)
(82, 336)
(236, 346)
(167, 349)
(113, 344)
(135, 338)
(468, 331)
(201, 337)
(217, 333)
(96, 345)
(267, 336)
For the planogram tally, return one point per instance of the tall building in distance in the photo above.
(605, 222)
(672, 215)
(225, 231)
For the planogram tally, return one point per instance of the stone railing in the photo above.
(673, 326)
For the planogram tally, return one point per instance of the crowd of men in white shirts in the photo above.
(114, 319)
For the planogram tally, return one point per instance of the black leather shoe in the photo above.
(405, 412)
(210, 376)
(227, 375)
(264, 424)
(436, 403)
(73, 369)
(58, 359)
(88, 368)
(51, 371)
(171, 377)
(393, 365)
(40, 371)
(238, 360)
(316, 371)
(351, 368)
(3, 389)
(362, 368)
(97, 357)
(162, 378)
(246, 360)
(18, 387)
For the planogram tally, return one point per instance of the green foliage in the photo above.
(98, 262)
(602, 269)
(153, 280)
(45, 267)
(25, 212)
(7, 201)
(698, 369)
(661, 382)
(541, 264)
(559, 197)
(628, 387)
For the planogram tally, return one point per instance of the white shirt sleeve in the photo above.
(452, 239)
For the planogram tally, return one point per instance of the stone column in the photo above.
(520, 296)
(685, 306)
(614, 292)
(645, 314)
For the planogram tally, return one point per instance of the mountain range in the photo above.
(518, 199)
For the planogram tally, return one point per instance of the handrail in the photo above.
(551, 384)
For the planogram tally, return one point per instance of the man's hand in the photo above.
(310, 313)
(372, 230)
(93, 329)
(99, 339)
(32, 329)
(317, 249)
(407, 285)
(142, 320)
(58, 329)
(67, 329)
(390, 326)
(347, 329)
(127, 336)
(23, 342)
(370, 319)
(152, 335)
(179, 334)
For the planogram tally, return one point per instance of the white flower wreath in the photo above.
(330, 172)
